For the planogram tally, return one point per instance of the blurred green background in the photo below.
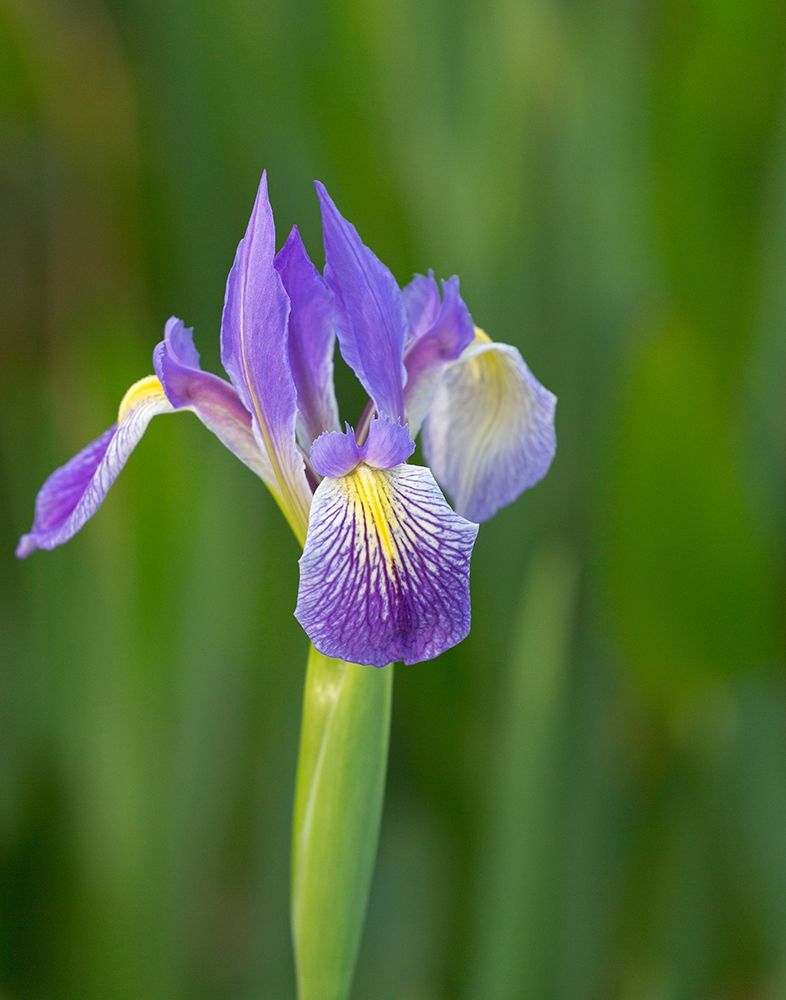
(587, 799)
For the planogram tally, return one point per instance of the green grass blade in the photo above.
(516, 896)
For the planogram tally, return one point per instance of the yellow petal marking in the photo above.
(489, 371)
(145, 390)
(369, 488)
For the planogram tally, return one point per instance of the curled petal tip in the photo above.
(214, 401)
(179, 341)
(26, 547)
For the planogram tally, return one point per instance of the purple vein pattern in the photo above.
(385, 571)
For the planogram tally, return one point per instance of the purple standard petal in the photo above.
(255, 354)
(421, 302)
(443, 330)
(73, 493)
(312, 335)
(489, 434)
(213, 400)
(372, 324)
(387, 444)
(385, 571)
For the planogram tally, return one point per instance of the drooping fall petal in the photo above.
(385, 571)
(489, 434)
(74, 492)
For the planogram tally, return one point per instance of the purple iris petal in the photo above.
(372, 323)
(312, 337)
(421, 302)
(385, 571)
(388, 443)
(255, 354)
(74, 492)
(489, 434)
(213, 400)
(179, 344)
(335, 453)
(176, 361)
(442, 333)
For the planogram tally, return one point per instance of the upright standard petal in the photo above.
(312, 336)
(213, 400)
(421, 303)
(489, 434)
(372, 323)
(385, 571)
(442, 330)
(255, 354)
(74, 492)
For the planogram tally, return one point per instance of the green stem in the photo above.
(338, 804)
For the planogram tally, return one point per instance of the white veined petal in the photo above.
(489, 434)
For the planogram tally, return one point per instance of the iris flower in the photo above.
(384, 574)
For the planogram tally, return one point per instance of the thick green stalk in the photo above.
(338, 804)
